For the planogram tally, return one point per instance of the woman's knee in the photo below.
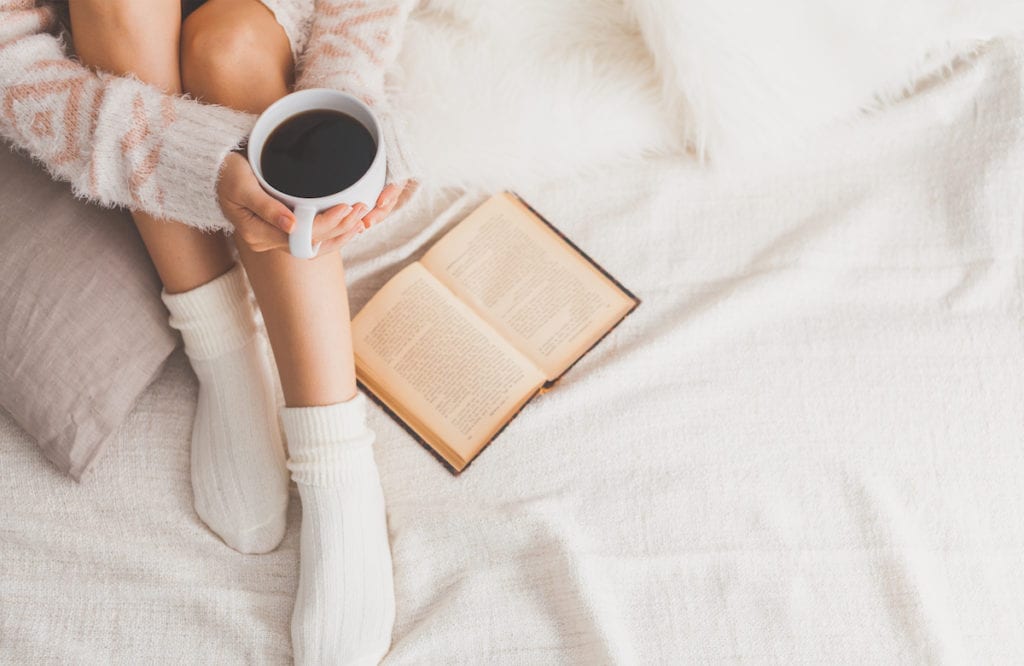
(129, 37)
(214, 51)
(227, 44)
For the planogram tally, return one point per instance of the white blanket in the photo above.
(804, 447)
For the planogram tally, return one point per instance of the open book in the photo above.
(494, 313)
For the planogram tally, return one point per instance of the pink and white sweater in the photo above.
(120, 142)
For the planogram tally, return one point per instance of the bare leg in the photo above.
(234, 53)
(309, 326)
(122, 37)
(239, 481)
(345, 601)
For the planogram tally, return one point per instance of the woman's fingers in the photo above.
(326, 221)
(267, 207)
(371, 218)
(257, 234)
(388, 196)
(337, 221)
(385, 204)
(336, 226)
(409, 188)
(336, 243)
(349, 228)
(239, 189)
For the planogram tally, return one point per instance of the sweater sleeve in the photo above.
(118, 141)
(351, 46)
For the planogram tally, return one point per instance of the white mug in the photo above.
(365, 190)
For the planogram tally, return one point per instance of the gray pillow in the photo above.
(82, 328)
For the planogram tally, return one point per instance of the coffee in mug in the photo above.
(317, 153)
(315, 149)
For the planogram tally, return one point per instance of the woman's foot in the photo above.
(345, 606)
(239, 479)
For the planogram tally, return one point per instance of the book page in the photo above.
(527, 282)
(436, 359)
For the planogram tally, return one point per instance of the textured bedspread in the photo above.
(806, 446)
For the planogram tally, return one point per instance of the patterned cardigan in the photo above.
(120, 142)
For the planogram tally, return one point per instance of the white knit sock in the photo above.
(345, 606)
(239, 479)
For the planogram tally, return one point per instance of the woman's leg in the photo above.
(142, 38)
(239, 482)
(234, 53)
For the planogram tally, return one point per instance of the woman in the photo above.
(117, 128)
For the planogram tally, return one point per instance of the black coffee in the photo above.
(316, 153)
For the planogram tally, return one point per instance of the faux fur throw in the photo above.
(495, 94)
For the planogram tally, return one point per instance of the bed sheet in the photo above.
(804, 447)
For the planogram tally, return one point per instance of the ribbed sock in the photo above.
(345, 606)
(239, 479)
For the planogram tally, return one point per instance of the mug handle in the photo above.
(300, 240)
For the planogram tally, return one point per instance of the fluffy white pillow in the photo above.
(758, 79)
(494, 94)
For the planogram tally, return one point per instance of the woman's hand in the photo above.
(263, 223)
(389, 197)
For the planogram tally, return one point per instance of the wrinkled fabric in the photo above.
(803, 447)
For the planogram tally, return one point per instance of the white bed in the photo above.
(804, 447)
